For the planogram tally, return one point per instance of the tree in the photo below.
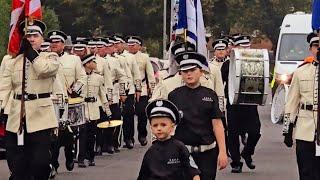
(4, 26)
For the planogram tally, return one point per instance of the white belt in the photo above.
(200, 148)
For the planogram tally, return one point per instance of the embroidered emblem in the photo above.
(208, 99)
(159, 103)
(174, 161)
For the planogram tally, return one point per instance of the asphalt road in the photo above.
(273, 160)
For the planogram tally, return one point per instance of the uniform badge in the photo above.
(31, 21)
(159, 103)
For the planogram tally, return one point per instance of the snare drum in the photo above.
(248, 76)
(76, 111)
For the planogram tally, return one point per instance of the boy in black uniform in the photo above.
(167, 158)
(201, 126)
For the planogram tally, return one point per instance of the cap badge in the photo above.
(31, 22)
(159, 103)
(186, 56)
(220, 41)
(54, 33)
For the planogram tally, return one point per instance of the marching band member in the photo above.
(5, 110)
(73, 75)
(134, 92)
(163, 88)
(201, 128)
(167, 158)
(301, 111)
(220, 47)
(28, 139)
(98, 46)
(80, 49)
(119, 81)
(117, 109)
(148, 85)
(92, 89)
(241, 119)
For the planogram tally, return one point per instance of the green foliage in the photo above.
(50, 18)
(4, 26)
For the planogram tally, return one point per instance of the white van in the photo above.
(292, 45)
(292, 49)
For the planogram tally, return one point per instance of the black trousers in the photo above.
(110, 136)
(242, 119)
(117, 131)
(31, 161)
(128, 118)
(91, 129)
(81, 141)
(142, 117)
(100, 140)
(207, 163)
(67, 139)
(308, 163)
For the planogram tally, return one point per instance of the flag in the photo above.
(316, 15)
(174, 19)
(191, 25)
(20, 9)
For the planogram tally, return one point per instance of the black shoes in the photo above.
(244, 139)
(143, 141)
(236, 167)
(128, 144)
(81, 164)
(109, 149)
(248, 160)
(98, 151)
(91, 163)
(53, 172)
(116, 149)
(70, 165)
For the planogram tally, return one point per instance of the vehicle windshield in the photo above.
(293, 47)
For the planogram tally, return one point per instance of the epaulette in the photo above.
(168, 77)
(304, 63)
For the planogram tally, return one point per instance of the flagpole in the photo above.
(318, 110)
(23, 92)
(164, 35)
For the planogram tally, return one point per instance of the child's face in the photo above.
(162, 127)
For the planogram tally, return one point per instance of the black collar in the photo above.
(61, 54)
(315, 63)
(219, 60)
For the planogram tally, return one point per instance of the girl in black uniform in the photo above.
(167, 158)
(201, 127)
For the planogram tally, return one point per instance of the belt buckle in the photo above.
(26, 97)
(196, 149)
(315, 107)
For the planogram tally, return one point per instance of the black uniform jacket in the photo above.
(167, 160)
(199, 107)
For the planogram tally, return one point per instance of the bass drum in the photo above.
(248, 77)
(278, 102)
